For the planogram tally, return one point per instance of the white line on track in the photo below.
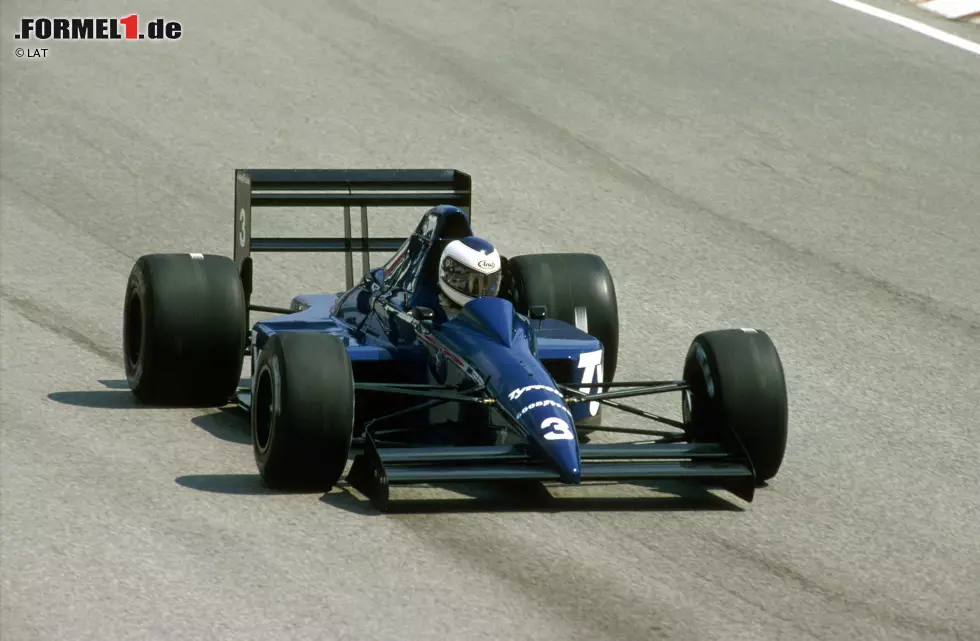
(914, 25)
(953, 9)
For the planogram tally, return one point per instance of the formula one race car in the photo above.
(507, 389)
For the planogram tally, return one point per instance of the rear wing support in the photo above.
(341, 188)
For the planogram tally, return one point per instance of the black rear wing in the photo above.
(342, 188)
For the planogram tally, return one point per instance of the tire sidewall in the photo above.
(702, 406)
(269, 371)
(138, 287)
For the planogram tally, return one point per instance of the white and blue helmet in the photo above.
(469, 268)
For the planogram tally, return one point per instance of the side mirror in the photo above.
(538, 312)
(424, 315)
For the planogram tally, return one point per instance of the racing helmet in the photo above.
(469, 268)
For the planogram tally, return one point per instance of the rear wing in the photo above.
(341, 188)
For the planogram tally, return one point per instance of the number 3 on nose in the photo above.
(559, 429)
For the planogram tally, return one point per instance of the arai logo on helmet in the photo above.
(486, 264)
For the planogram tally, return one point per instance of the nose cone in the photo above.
(541, 410)
(566, 460)
(498, 345)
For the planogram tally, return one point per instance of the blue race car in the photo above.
(510, 388)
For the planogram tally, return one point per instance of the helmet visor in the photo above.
(469, 282)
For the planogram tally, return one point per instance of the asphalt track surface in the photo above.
(792, 166)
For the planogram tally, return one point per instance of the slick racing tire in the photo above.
(564, 282)
(184, 329)
(737, 386)
(302, 411)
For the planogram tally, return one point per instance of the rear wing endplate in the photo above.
(342, 188)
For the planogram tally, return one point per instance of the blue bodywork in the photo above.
(517, 361)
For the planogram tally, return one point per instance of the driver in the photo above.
(468, 268)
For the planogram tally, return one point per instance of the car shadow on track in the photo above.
(112, 383)
(110, 399)
(244, 484)
(116, 396)
(492, 498)
(227, 423)
(707, 503)
(252, 485)
(536, 497)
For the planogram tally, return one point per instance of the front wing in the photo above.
(376, 469)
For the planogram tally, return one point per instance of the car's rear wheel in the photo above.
(302, 411)
(576, 288)
(737, 387)
(184, 329)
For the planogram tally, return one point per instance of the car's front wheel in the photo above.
(737, 388)
(302, 411)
